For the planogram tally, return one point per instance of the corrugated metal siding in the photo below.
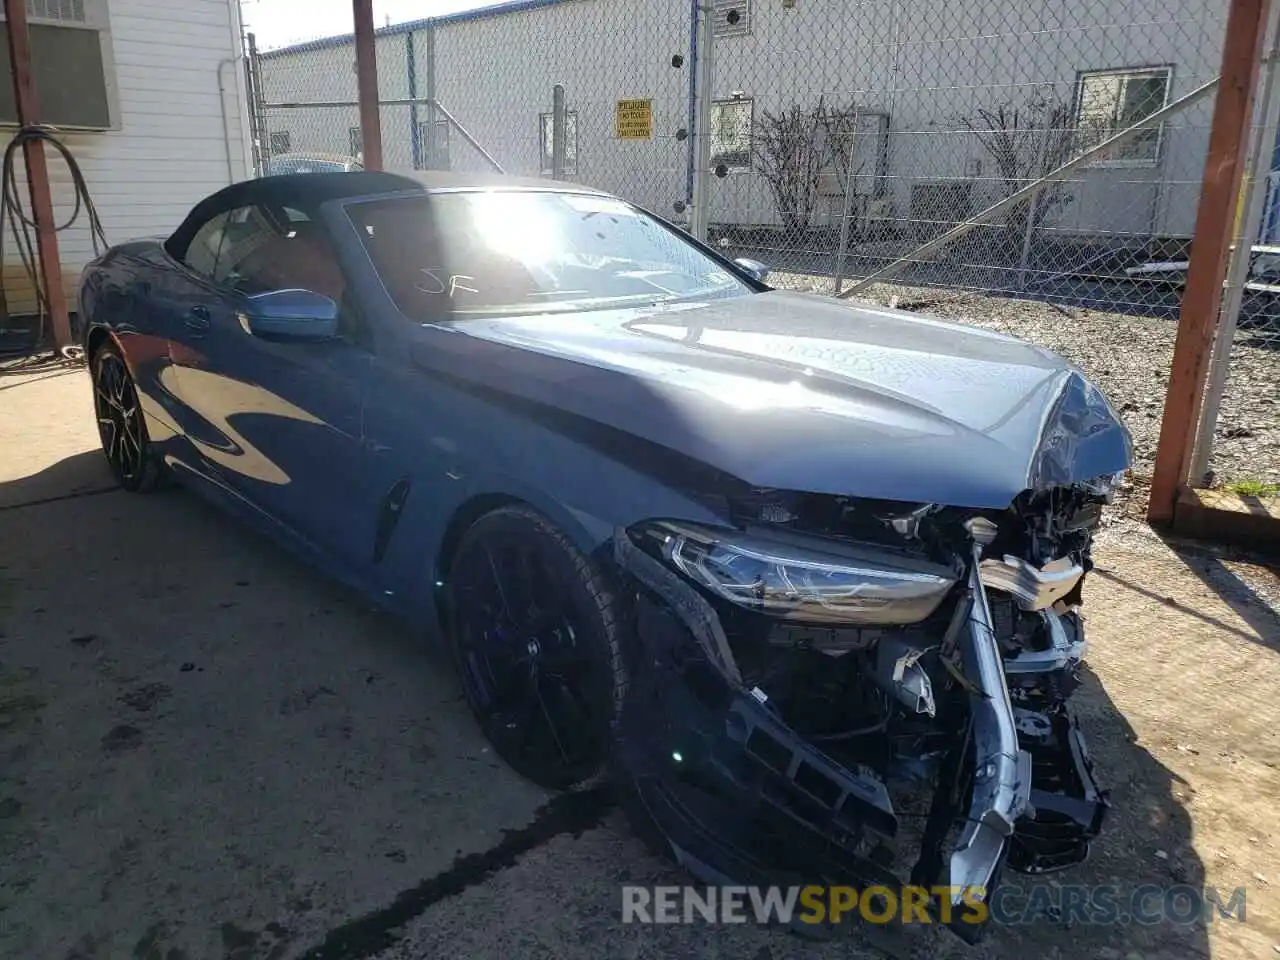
(169, 150)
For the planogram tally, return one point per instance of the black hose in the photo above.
(21, 226)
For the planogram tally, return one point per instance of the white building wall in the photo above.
(928, 71)
(926, 65)
(172, 146)
(496, 76)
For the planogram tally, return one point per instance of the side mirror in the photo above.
(753, 268)
(291, 315)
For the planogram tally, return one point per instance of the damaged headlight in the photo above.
(801, 579)
(1105, 486)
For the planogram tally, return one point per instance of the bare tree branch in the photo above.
(1026, 141)
(791, 149)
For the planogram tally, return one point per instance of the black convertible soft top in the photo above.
(306, 191)
(302, 190)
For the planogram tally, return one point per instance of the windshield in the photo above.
(504, 252)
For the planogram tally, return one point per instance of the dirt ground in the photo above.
(206, 751)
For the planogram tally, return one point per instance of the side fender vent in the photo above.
(392, 507)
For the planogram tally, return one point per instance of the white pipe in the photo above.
(235, 27)
(1252, 203)
(222, 105)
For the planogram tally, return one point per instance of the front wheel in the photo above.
(536, 635)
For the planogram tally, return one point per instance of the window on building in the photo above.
(731, 132)
(68, 10)
(545, 122)
(733, 18)
(355, 142)
(434, 151)
(1108, 101)
(278, 141)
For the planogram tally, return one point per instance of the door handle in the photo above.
(198, 320)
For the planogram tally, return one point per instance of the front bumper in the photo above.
(739, 797)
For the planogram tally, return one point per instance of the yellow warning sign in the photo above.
(634, 120)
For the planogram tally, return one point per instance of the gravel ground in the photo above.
(1129, 358)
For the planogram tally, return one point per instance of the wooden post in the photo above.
(367, 77)
(24, 95)
(1202, 297)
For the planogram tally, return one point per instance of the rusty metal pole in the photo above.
(24, 95)
(1202, 297)
(367, 78)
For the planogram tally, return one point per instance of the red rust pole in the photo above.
(1210, 245)
(24, 94)
(367, 77)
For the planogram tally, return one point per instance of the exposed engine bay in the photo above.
(854, 674)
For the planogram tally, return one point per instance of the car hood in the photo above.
(801, 392)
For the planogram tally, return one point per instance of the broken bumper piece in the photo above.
(1067, 806)
(1002, 772)
(739, 797)
(736, 794)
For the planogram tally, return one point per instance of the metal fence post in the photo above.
(1028, 235)
(257, 108)
(846, 213)
(411, 76)
(1202, 297)
(557, 132)
(432, 142)
(1256, 178)
(700, 213)
(691, 149)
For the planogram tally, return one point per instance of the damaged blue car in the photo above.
(778, 565)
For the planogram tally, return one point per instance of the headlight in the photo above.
(801, 579)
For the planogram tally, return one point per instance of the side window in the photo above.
(278, 248)
(202, 252)
(246, 241)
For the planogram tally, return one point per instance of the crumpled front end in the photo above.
(852, 692)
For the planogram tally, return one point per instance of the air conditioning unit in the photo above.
(71, 62)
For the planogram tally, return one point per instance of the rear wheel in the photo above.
(121, 425)
(536, 636)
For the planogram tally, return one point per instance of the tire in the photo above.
(536, 635)
(122, 427)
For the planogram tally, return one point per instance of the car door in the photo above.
(279, 421)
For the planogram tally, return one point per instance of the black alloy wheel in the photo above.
(120, 423)
(537, 646)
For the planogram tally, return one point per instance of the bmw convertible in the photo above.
(790, 572)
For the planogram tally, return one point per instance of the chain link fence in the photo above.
(843, 137)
